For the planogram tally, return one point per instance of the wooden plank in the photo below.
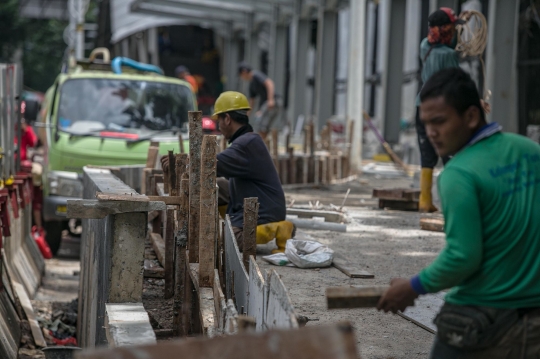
(181, 142)
(152, 157)
(208, 211)
(354, 297)
(182, 161)
(180, 258)
(397, 194)
(195, 142)
(335, 341)
(170, 250)
(251, 215)
(432, 224)
(398, 205)
(159, 247)
(187, 301)
(20, 292)
(170, 201)
(349, 268)
(274, 135)
(153, 272)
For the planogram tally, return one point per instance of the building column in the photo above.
(392, 78)
(153, 48)
(501, 62)
(326, 65)
(298, 84)
(277, 54)
(356, 78)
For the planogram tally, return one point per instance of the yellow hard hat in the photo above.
(230, 101)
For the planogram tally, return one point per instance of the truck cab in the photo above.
(95, 115)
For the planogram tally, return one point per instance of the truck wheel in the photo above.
(54, 235)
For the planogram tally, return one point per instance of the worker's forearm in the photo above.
(269, 89)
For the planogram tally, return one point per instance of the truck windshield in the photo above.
(88, 105)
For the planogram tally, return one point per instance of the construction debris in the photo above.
(402, 199)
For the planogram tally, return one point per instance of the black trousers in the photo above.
(428, 155)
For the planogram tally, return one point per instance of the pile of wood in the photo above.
(319, 163)
(401, 199)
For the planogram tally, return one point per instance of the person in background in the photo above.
(182, 73)
(262, 87)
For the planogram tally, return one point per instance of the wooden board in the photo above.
(29, 311)
(398, 205)
(349, 268)
(432, 224)
(336, 341)
(397, 194)
(159, 247)
(195, 142)
(170, 201)
(354, 297)
(170, 250)
(220, 303)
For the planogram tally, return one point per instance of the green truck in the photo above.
(104, 114)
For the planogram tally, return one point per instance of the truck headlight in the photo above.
(65, 184)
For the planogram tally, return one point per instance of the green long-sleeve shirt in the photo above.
(490, 194)
(441, 57)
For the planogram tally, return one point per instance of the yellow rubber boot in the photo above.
(222, 211)
(426, 200)
(286, 230)
(281, 231)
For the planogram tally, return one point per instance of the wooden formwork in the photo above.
(204, 270)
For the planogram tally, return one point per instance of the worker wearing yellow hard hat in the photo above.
(245, 169)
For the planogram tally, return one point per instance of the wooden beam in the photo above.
(195, 142)
(170, 201)
(354, 297)
(432, 224)
(182, 161)
(208, 211)
(181, 142)
(180, 258)
(334, 341)
(169, 255)
(274, 134)
(159, 247)
(251, 215)
(349, 268)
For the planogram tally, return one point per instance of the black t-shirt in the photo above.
(257, 87)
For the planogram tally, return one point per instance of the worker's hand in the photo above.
(271, 103)
(399, 296)
(258, 114)
(165, 163)
(486, 106)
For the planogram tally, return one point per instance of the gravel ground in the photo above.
(388, 244)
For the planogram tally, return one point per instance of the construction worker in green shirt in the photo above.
(490, 195)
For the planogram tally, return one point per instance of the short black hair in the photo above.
(457, 88)
(240, 117)
(244, 66)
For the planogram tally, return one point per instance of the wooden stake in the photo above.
(180, 256)
(208, 213)
(173, 189)
(182, 161)
(151, 159)
(169, 254)
(181, 142)
(195, 141)
(223, 144)
(251, 215)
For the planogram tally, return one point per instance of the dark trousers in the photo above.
(428, 155)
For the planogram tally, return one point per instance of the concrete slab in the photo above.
(128, 324)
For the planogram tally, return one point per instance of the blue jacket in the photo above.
(251, 173)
